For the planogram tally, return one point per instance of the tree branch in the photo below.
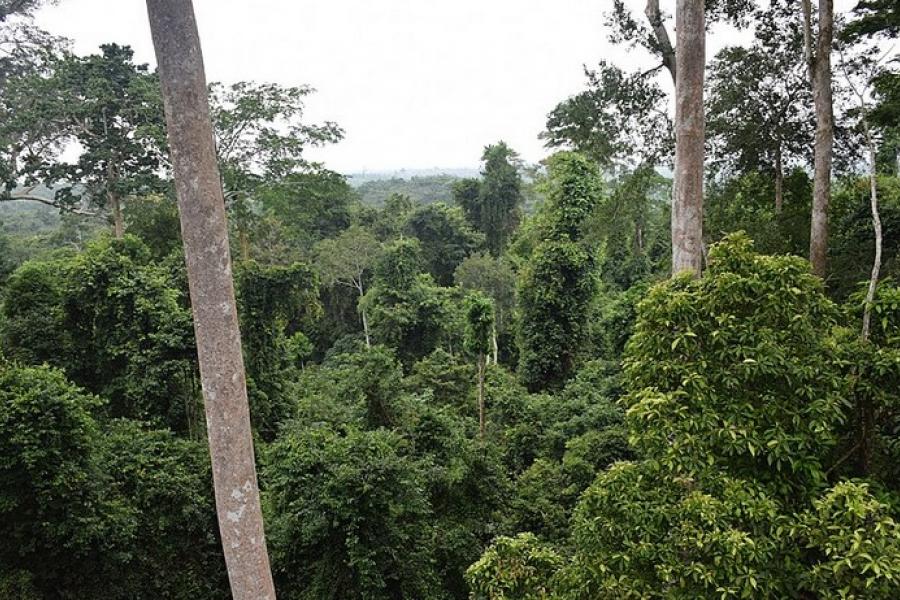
(654, 16)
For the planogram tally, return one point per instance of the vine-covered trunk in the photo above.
(365, 322)
(687, 203)
(244, 243)
(205, 234)
(779, 182)
(482, 360)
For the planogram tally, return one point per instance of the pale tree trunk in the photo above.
(365, 322)
(482, 359)
(687, 203)
(876, 225)
(867, 410)
(494, 346)
(204, 230)
(820, 78)
(362, 311)
(779, 182)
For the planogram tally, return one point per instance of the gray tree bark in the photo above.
(690, 130)
(201, 206)
(820, 78)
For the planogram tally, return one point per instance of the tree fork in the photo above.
(202, 211)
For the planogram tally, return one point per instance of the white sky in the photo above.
(415, 83)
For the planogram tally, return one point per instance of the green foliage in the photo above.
(115, 324)
(32, 311)
(445, 239)
(163, 484)
(348, 516)
(633, 225)
(118, 515)
(736, 372)
(479, 323)
(619, 119)
(555, 290)
(613, 321)
(259, 130)
(574, 190)
(297, 211)
(419, 189)
(874, 17)
(761, 110)
(47, 503)
(113, 110)
(514, 569)
(492, 203)
(557, 445)
(154, 219)
(855, 542)
(408, 312)
(640, 533)
(853, 242)
(446, 377)
(747, 203)
(557, 284)
(737, 399)
(270, 299)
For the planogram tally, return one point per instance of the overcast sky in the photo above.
(415, 83)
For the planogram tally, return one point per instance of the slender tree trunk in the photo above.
(866, 408)
(204, 230)
(118, 218)
(876, 225)
(482, 359)
(494, 346)
(687, 204)
(820, 78)
(779, 182)
(365, 318)
(365, 322)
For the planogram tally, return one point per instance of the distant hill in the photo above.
(361, 177)
(425, 189)
(21, 217)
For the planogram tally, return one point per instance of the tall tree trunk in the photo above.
(820, 78)
(118, 218)
(482, 359)
(204, 230)
(779, 182)
(365, 321)
(687, 203)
